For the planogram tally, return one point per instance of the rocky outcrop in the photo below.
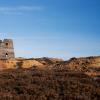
(79, 64)
(28, 63)
(85, 64)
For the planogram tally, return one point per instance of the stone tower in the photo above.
(6, 49)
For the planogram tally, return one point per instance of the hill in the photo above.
(50, 79)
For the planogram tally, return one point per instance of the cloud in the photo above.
(20, 9)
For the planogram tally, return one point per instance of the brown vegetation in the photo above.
(36, 84)
(76, 79)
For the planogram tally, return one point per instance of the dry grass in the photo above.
(36, 84)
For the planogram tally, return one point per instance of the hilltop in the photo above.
(84, 64)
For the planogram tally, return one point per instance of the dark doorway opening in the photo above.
(6, 55)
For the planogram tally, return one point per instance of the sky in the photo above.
(51, 28)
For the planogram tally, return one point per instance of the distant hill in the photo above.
(77, 64)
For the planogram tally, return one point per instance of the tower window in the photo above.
(6, 44)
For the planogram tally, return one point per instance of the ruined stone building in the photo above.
(6, 49)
